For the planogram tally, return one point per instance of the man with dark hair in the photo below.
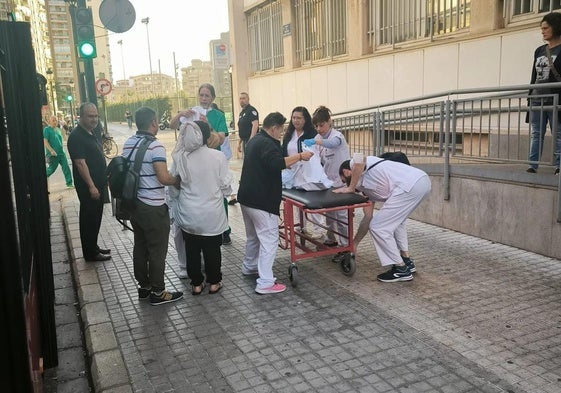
(150, 218)
(260, 196)
(87, 158)
(248, 121)
(402, 188)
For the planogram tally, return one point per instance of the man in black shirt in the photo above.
(89, 179)
(248, 122)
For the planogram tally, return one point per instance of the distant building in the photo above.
(192, 77)
(141, 86)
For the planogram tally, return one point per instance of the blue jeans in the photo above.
(538, 122)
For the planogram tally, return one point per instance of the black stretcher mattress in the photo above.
(323, 199)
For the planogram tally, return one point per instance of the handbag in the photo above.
(552, 65)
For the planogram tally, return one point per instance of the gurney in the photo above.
(296, 207)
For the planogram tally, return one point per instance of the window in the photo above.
(321, 29)
(264, 27)
(394, 21)
(521, 7)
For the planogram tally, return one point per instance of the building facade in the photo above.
(352, 54)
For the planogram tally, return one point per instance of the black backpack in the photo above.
(123, 176)
(396, 156)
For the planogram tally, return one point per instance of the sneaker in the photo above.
(250, 272)
(226, 239)
(531, 170)
(330, 243)
(232, 201)
(277, 288)
(312, 234)
(556, 171)
(410, 264)
(164, 297)
(70, 186)
(144, 293)
(182, 273)
(396, 273)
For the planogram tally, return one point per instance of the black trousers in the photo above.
(91, 212)
(210, 247)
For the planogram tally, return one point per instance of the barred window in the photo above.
(264, 27)
(521, 7)
(394, 21)
(321, 29)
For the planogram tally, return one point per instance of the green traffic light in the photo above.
(69, 98)
(86, 50)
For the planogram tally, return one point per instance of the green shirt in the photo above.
(54, 137)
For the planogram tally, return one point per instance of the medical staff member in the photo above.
(402, 188)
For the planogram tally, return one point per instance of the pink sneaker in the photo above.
(277, 288)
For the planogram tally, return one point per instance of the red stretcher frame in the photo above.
(291, 235)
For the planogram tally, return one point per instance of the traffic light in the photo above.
(69, 98)
(84, 30)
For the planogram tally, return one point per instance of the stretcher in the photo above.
(297, 206)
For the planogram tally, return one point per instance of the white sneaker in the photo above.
(182, 273)
(277, 288)
(312, 234)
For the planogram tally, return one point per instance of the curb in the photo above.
(107, 366)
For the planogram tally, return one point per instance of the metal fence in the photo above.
(485, 125)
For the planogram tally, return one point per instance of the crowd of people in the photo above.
(190, 199)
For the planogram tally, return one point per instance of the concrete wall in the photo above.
(509, 207)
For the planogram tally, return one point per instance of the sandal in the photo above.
(196, 292)
(217, 287)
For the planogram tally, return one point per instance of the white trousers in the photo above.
(179, 246)
(335, 222)
(387, 226)
(262, 233)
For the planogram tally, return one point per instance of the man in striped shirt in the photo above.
(150, 218)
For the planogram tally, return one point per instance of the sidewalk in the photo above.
(478, 317)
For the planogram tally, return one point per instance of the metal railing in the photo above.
(470, 125)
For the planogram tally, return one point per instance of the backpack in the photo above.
(396, 156)
(123, 177)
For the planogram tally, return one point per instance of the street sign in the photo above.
(103, 87)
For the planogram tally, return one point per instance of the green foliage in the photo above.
(116, 111)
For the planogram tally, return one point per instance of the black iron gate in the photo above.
(26, 276)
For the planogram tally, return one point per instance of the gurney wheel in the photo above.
(293, 274)
(348, 264)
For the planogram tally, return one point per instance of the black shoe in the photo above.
(232, 202)
(226, 239)
(164, 297)
(144, 293)
(531, 170)
(396, 273)
(104, 251)
(330, 243)
(99, 257)
(409, 263)
(556, 171)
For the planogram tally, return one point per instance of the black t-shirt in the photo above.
(83, 145)
(247, 116)
(541, 73)
(260, 182)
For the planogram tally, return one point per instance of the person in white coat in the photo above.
(199, 212)
(402, 188)
(334, 150)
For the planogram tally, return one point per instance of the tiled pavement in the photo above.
(478, 317)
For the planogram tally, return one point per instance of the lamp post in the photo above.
(120, 42)
(231, 93)
(146, 21)
(50, 74)
(71, 102)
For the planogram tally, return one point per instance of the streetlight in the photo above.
(50, 74)
(120, 42)
(71, 102)
(145, 21)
